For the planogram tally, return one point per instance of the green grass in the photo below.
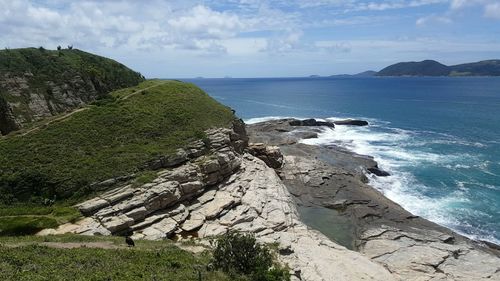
(29, 219)
(25, 259)
(115, 138)
(85, 76)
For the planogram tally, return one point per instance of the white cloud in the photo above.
(492, 10)
(390, 5)
(433, 19)
(491, 7)
(204, 22)
(227, 32)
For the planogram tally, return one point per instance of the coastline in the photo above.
(333, 180)
(229, 182)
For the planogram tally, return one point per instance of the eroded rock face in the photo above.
(252, 199)
(224, 189)
(271, 155)
(140, 209)
(422, 254)
(213, 193)
(411, 247)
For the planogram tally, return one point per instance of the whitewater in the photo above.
(437, 137)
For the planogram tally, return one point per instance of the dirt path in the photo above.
(65, 116)
(195, 249)
(69, 245)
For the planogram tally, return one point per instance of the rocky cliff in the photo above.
(334, 180)
(37, 83)
(222, 183)
(221, 187)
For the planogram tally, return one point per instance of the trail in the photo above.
(195, 249)
(65, 116)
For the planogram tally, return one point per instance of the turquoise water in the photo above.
(439, 137)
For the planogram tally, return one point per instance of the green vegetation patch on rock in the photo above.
(107, 140)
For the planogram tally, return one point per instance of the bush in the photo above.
(238, 253)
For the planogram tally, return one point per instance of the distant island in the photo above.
(431, 68)
(434, 68)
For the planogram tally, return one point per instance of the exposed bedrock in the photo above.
(224, 183)
(410, 247)
(221, 190)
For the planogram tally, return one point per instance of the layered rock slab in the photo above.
(252, 199)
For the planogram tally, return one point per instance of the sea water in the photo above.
(438, 137)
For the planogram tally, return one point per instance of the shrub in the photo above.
(238, 253)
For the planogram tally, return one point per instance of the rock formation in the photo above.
(222, 189)
(220, 184)
(410, 247)
(310, 122)
(351, 122)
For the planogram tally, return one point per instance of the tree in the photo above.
(240, 253)
(59, 48)
(70, 47)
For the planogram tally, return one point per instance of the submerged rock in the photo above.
(378, 172)
(351, 122)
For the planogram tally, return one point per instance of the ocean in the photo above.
(438, 137)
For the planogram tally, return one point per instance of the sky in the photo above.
(258, 38)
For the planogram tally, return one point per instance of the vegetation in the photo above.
(47, 65)
(29, 219)
(238, 253)
(114, 137)
(46, 258)
(434, 68)
(62, 79)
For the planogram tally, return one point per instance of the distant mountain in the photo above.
(482, 68)
(434, 68)
(366, 73)
(423, 68)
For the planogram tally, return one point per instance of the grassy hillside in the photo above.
(35, 83)
(103, 258)
(60, 65)
(114, 137)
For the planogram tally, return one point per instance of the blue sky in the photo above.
(258, 38)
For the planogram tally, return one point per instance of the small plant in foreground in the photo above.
(238, 253)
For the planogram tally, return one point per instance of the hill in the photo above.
(367, 73)
(482, 68)
(113, 137)
(423, 68)
(37, 83)
(434, 68)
